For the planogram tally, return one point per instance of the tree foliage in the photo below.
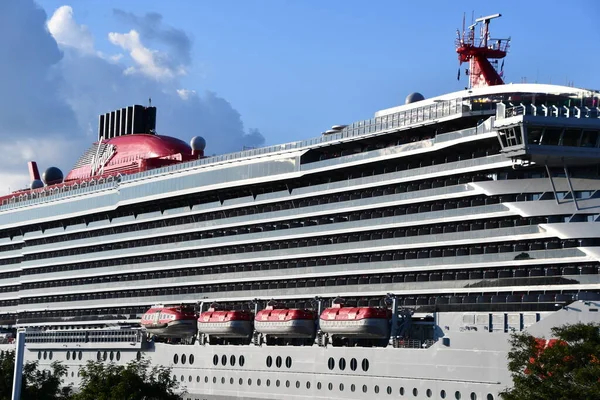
(134, 381)
(35, 384)
(99, 381)
(567, 367)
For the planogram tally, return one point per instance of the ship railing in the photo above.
(98, 336)
(415, 343)
(395, 121)
(550, 111)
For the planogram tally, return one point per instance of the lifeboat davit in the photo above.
(285, 322)
(170, 322)
(356, 322)
(228, 324)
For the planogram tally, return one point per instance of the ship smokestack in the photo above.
(127, 121)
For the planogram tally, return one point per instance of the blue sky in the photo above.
(252, 72)
(294, 68)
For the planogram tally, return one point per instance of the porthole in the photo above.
(268, 382)
(175, 378)
(118, 355)
(352, 387)
(473, 396)
(353, 364)
(457, 395)
(183, 359)
(241, 381)
(297, 384)
(175, 358)
(72, 374)
(443, 394)
(215, 359)
(68, 355)
(232, 360)
(258, 382)
(99, 356)
(415, 392)
(224, 360)
(112, 355)
(490, 396)
(342, 364)
(138, 356)
(45, 355)
(50, 355)
(80, 355)
(197, 378)
(389, 390)
(249, 382)
(206, 379)
(191, 359)
(39, 355)
(331, 363)
(319, 385)
(74, 356)
(307, 384)
(231, 381)
(222, 380)
(428, 393)
(183, 379)
(376, 389)
(330, 386)
(287, 384)
(242, 361)
(341, 387)
(288, 362)
(269, 361)
(365, 364)
(214, 379)
(401, 391)
(105, 355)
(278, 362)
(364, 388)
(277, 383)
(189, 378)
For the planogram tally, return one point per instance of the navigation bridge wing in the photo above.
(550, 136)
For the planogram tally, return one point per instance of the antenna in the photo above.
(149, 101)
(482, 53)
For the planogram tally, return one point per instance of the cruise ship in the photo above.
(386, 258)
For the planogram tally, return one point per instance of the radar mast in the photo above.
(481, 53)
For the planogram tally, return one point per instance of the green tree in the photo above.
(36, 384)
(565, 368)
(134, 381)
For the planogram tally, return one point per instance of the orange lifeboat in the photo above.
(227, 324)
(356, 322)
(285, 322)
(169, 322)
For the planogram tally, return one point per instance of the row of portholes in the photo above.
(353, 364)
(103, 356)
(184, 359)
(75, 355)
(45, 355)
(365, 389)
(241, 360)
(279, 361)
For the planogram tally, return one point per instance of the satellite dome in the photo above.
(37, 184)
(52, 176)
(198, 143)
(414, 97)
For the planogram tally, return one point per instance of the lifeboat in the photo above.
(285, 322)
(169, 322)
(225, 323)
(356, 322)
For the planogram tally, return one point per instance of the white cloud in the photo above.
(151, 63)
(186, 93)
(67, 32)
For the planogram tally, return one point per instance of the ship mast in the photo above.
(481, 53)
